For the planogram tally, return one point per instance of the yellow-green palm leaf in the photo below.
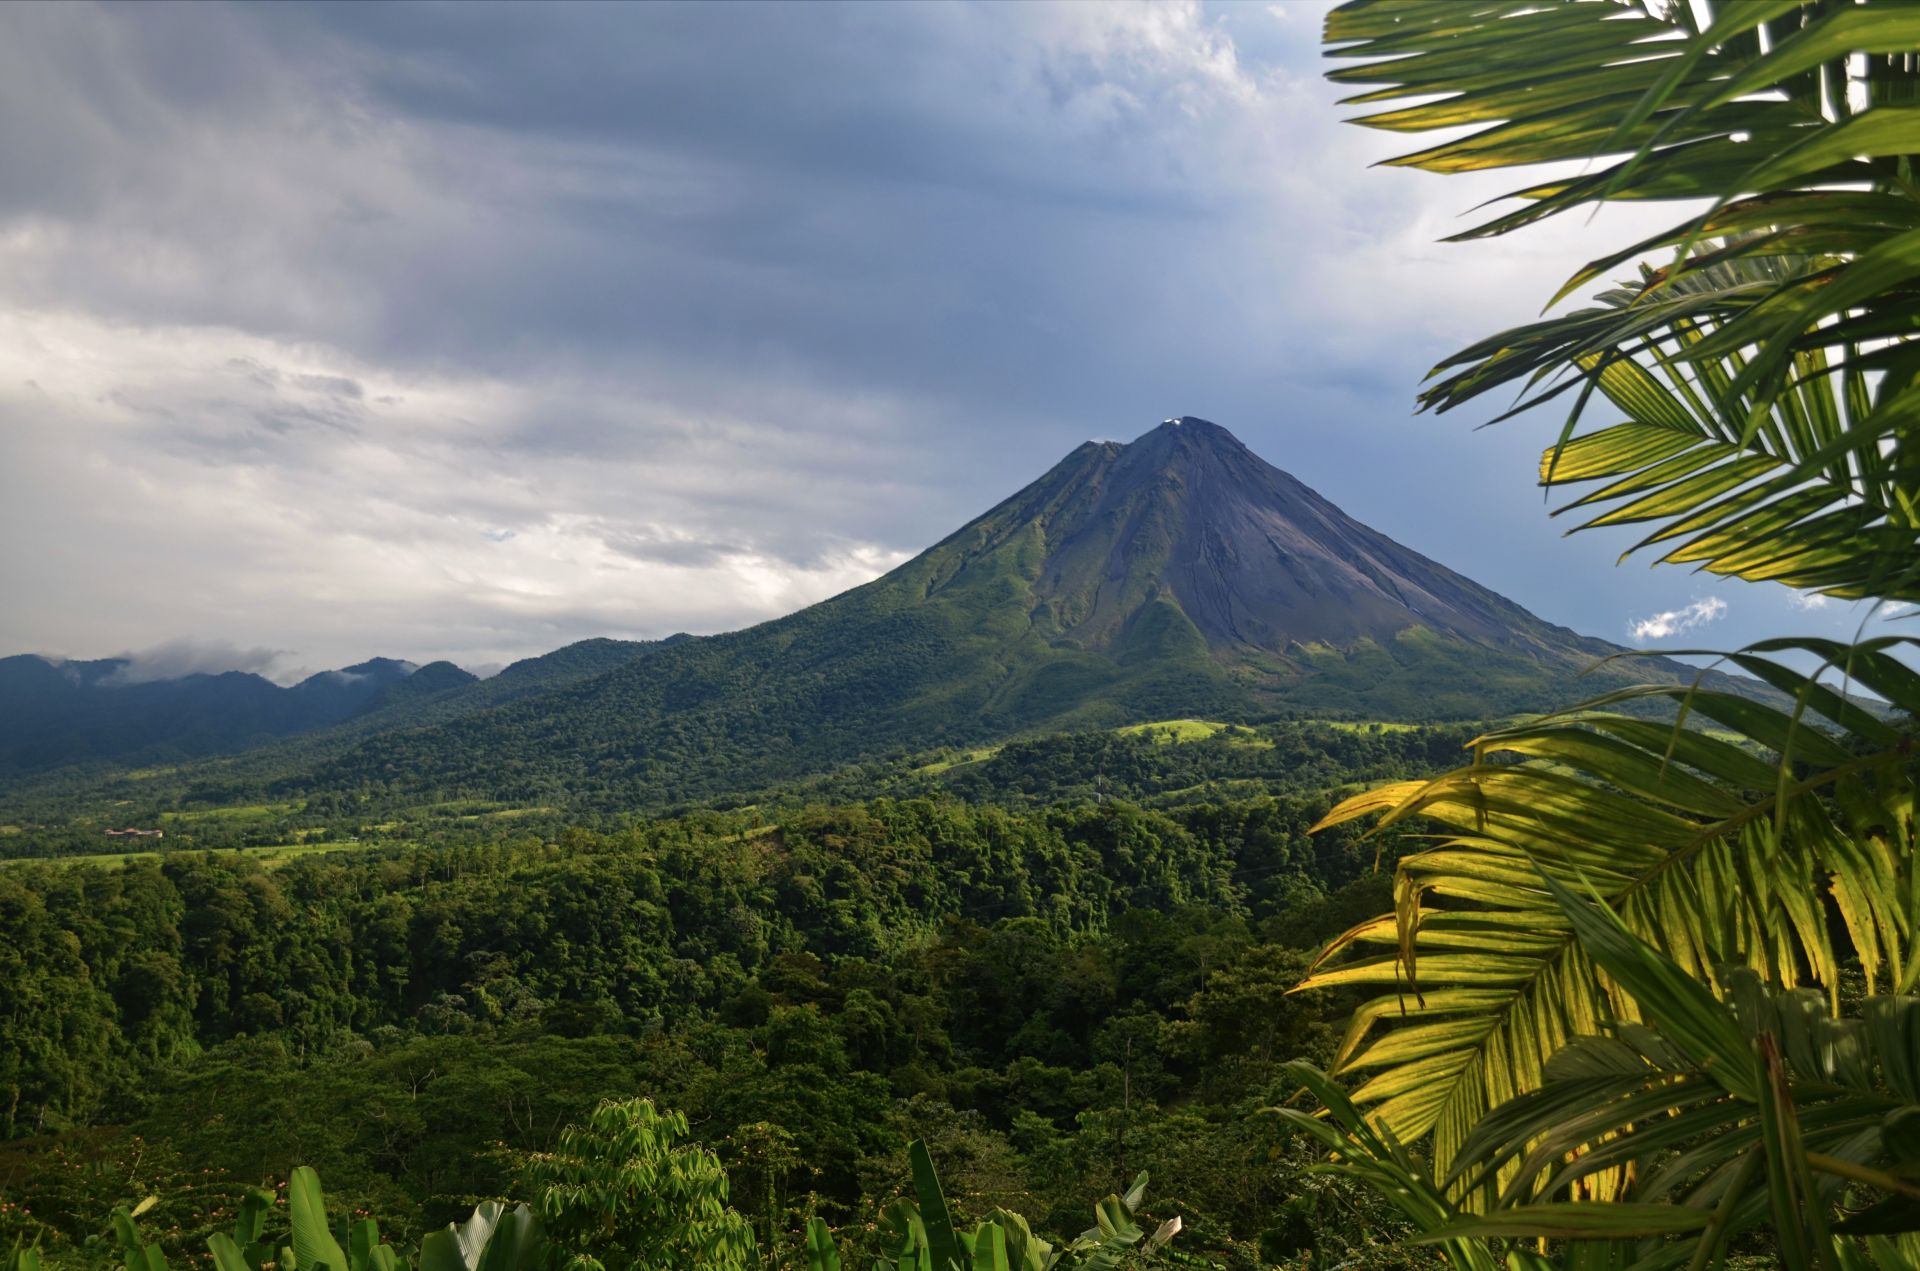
(1705, 843)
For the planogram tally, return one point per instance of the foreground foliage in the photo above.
(623, 1190)
(920, 1234)
(304, 1238)
(1632, 969)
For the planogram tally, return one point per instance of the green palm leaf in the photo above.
(1771, 1087)
(1707, 1121)
(1747, 398)
(1772, 418)
(1723, 851)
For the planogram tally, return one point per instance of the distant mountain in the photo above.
(440, 698)
(434, 681)
(1177, 575)
(83, 731)
(54, 712)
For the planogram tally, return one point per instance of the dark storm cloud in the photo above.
(919, 199)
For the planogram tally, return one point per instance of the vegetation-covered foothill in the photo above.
(1176, 763)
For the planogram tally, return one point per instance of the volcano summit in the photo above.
(1257, 563)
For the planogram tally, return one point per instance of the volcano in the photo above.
(1178, 575)
(1188, 517)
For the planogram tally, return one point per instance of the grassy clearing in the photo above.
(1224, 788)
(457, 810)
(958, 761)
(272, 856)
(1367, 725)
(497, 813)
(1175, 732)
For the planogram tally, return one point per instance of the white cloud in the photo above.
(173, 659)
(230, 488)
(1675, 621)
(1808, 600)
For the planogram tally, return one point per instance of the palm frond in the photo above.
(1658, 1146)
(1747, 398)
(1766, 1088)
(1710, 842)
(1765, 371)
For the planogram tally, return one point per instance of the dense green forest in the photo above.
(1165, 764)
(1054, 999)
(1060, 961)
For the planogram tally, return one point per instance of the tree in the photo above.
(1759, 406)
(623, 1193)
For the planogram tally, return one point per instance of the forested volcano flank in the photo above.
(1177, 575)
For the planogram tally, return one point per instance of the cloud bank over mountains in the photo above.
(175, 659)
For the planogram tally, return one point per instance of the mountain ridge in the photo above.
(55, 711)
(1176, 575)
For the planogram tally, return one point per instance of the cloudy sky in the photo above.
(469, 331)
